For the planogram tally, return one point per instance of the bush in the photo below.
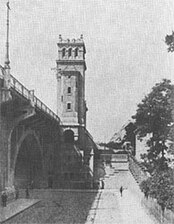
(161, 187)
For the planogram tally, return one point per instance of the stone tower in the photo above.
(71, 67)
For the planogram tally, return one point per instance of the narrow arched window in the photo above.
(69, 106)
(69, 90)
(76, 52)
(69, 52)
(63, 52)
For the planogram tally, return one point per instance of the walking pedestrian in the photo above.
(121, 190)
(102, 184)
(27, 193)
(146, 195)
(32, 184)
(98, 184)
(4, 199)
(17, 194)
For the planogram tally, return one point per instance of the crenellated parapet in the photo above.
(78, 40)
(73, 49)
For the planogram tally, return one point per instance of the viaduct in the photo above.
(39, 148)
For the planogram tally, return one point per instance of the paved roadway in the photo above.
(114, 209)
(79, 207)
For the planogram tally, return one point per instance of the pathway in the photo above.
(109, 207)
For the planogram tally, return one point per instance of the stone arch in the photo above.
(76, 52)
(27, 164)
(69, 52)
(63, 52)
(68, 136)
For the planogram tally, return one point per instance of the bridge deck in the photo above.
(21, 89)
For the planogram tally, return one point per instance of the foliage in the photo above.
(161, 187)
(154, 117)
(169, 40)
(130, 135)
(144, 185)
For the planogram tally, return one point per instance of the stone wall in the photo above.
(137, 170)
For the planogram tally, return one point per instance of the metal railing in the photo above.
(89, 135)
(15, 84)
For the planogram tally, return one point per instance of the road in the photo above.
(79, 207)
(114, 209)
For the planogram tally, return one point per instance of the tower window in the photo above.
(69, 52)
(63, 52)
(76, 52)
(69, 89)
(69, 106)
(62, 98)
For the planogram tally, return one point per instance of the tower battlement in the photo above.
(73, 49)
(72, 41)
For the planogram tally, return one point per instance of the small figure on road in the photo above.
(98, 184)
(27, 192)
(4, 199)
(121, 191)
(102, 184)
(146, 193)
(17, 193)
(31, 184)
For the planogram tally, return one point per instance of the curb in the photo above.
(17, 213)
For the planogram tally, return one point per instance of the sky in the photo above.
(126, 54)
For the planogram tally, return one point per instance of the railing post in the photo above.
(31, 97)
(22, 90)
(14, 83)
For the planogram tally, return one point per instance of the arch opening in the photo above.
(63, 52)
(76, 52)
(69, 52)
(28, 167)
(69, 136)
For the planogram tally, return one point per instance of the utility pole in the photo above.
(6, 95)
(7, 60)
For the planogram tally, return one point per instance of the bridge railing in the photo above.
(20, 88)
(27, 94)
(89, 135)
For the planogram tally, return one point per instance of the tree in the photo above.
(169, 40)
(161, 187)
(154, 117)
(130, 136)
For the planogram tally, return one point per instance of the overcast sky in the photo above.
(126, 54)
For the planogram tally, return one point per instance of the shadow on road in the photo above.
(57, 207)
